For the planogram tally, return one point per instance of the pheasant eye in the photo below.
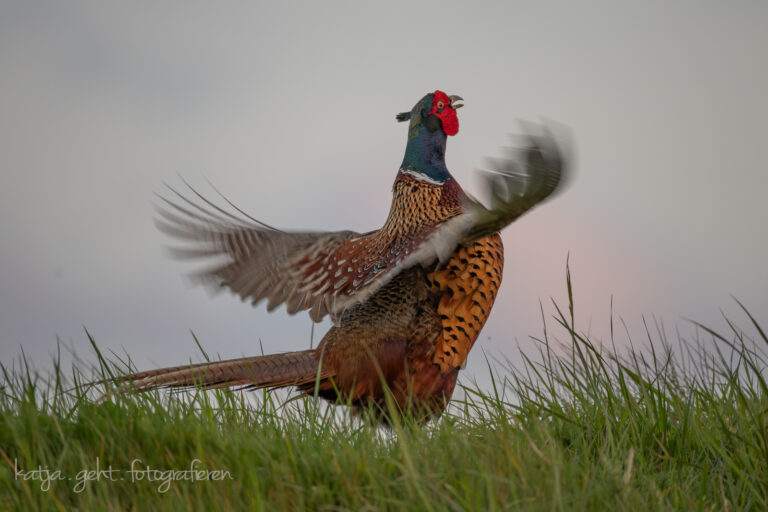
(440, 105)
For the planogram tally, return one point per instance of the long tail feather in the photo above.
(278, 370)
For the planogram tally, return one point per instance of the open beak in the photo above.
(454, 99)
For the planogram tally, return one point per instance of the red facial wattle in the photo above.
(446, 114)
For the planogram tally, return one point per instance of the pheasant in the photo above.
(407, 301)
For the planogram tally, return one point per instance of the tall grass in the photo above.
(662, 425)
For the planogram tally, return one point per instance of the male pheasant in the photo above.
(407, 300)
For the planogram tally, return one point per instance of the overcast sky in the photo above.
(288, 108)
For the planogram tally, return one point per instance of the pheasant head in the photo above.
(432, 120)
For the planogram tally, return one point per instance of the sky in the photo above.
(289, 109)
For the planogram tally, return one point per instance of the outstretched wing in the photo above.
(327, 272)
(256, 261)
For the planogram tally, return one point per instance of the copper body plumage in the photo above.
(408, 300)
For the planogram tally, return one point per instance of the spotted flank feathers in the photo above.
(467, 286)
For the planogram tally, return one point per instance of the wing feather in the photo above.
(257, 261)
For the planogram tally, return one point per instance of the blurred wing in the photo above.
(516, 184)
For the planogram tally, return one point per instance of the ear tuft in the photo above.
(403, 116)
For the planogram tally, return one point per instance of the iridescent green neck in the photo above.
(425, 154)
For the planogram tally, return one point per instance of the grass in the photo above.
(580, 426)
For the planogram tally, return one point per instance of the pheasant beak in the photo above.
(454, 99)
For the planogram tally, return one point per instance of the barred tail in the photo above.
(277, 370)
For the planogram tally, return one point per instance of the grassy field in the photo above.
(671, 425)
